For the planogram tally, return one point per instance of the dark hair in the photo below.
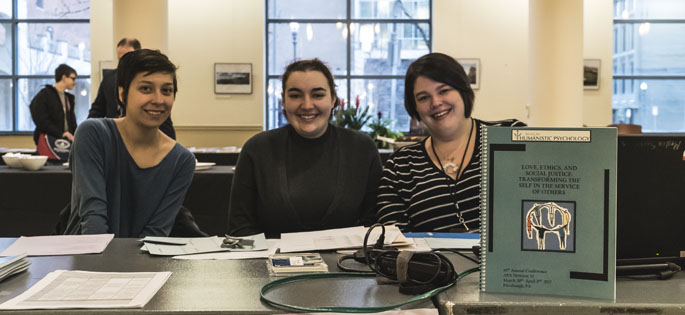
(311, 65)
(63, 70)
(129, 42)
(145, 61)
(440, 68)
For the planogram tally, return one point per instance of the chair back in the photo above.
(184, 225)
(627, 129)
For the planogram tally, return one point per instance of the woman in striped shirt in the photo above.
(434, 185)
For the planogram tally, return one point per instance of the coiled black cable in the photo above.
(424, 270)
(377, 258)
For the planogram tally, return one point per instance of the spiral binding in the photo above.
(483, 203)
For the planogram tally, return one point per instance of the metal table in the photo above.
(632, 297)
(205, 286)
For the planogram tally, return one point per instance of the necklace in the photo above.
(457, 171)
(450, 167)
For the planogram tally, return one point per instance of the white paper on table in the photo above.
(420, 245)
(201, 245)
(198, 245)
(352, 237)
(58, 245)
(83, 289)
(227, 255)
(11, 265)
(456, 243)
(166, 240)
(272, 245)
(418, 311)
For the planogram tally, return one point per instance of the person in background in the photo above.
(307, 175)
(52, 109)
(434, 185)
(129, 178)
(106, 102)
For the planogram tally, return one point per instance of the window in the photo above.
(368, 44)
(35, 37)
(649, 65)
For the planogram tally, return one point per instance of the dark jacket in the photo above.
(106, 103)
(48, 115)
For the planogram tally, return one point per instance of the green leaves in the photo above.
(354, 118)
(381, 128)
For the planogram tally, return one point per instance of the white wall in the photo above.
(202, 32)
(144, 20)
(101, 39)
(496, 32)
(598, 30)
(195, 35)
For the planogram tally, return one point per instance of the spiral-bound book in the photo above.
(548, 211)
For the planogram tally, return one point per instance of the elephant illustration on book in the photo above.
(557, 222)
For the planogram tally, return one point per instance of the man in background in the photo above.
(107, 104)
(52, 109)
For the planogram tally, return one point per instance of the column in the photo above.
(556, 62)
(145, 20)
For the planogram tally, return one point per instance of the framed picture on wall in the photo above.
(472, 68)
(591, 74)
(233, 78)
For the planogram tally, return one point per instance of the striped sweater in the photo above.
(417, 196)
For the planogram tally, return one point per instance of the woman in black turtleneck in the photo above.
(307, 175)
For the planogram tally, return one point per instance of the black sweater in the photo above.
(48, 115)
(261, 199)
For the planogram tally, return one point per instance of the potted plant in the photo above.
(350, 117)
(380, 127)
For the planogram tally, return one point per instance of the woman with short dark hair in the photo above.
(434, 185)
(129, 178)
(309, 174)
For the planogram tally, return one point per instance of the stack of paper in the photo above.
(297, 263)
(82, 289)
(59, 245)
(174, 246)
(271, 244)
(435, 240)
(13, 265)
(344, 238)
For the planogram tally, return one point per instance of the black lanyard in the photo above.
(456, 180)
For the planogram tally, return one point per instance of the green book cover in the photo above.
(548, 211)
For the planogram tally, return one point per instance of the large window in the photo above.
(35, 37)
(649, 64)
(368, 44)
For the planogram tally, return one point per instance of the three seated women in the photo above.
(130, 179)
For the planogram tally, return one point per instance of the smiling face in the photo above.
(150, 98)
(307, 101)
(439, 106)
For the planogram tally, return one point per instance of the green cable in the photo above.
(340, 309)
